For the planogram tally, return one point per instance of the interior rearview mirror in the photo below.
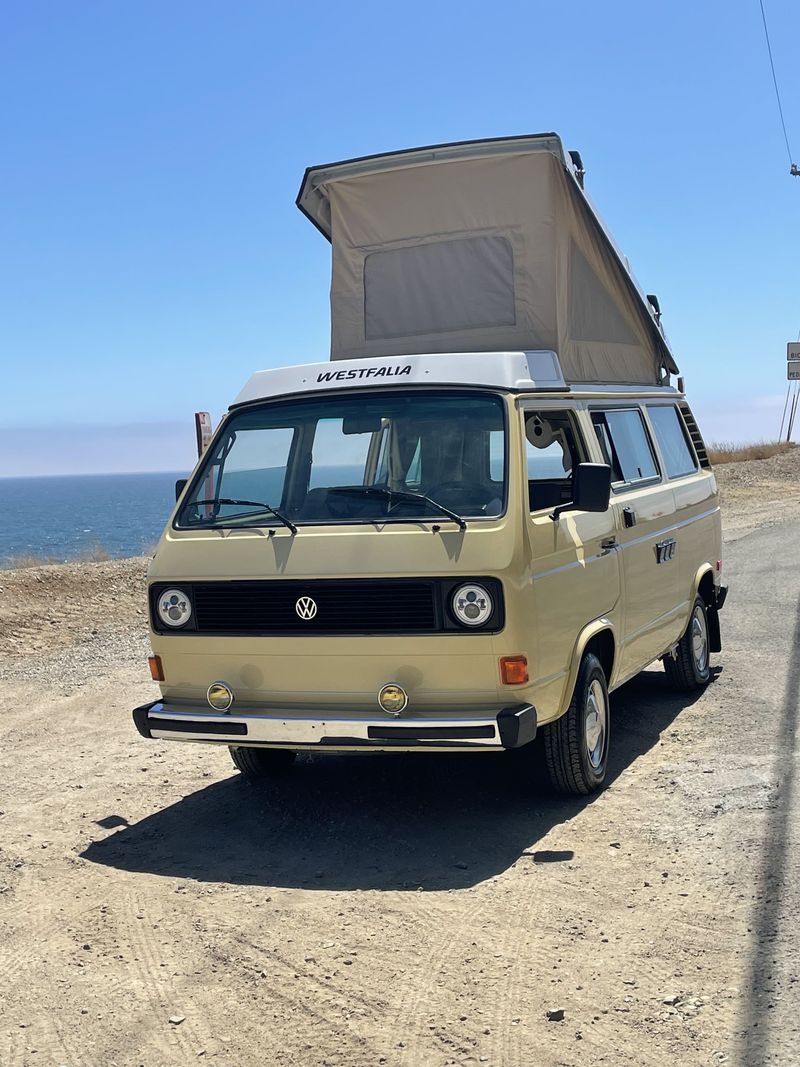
(180, 485)
(352, 424)
(591, 489)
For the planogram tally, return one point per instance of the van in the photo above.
(487, 511)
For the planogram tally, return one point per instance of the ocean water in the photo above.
(64, 517)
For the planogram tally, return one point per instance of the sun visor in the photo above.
(485, 246)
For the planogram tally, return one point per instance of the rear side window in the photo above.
(625, 444)
(671, 436)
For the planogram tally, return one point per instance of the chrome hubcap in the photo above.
(699, 632)
(596, 724)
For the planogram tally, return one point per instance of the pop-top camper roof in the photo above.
(480, 246)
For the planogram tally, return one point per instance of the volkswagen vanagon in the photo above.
(490, 508)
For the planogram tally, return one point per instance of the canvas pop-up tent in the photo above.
(480, 246)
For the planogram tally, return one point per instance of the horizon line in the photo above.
(85, 474)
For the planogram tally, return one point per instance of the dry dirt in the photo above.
(156, 909)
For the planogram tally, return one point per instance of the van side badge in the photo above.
(665, 550)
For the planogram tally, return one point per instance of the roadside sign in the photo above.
(793, 370)
(793, 350)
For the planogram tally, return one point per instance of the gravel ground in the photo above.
(67, 669)
(52, 607)
(783, 469)
(759, 493)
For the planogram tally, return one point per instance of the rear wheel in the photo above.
(576, 745)
(262, 762)
(689, 667)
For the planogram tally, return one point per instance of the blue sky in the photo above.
(151, 255)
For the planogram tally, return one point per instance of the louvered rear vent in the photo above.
(694, 433)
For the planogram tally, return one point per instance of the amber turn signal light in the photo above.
(156, 670)
(514, 670)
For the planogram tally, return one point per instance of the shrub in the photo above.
(728, 452)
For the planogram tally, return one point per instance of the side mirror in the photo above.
(180, 485)
(591, 489)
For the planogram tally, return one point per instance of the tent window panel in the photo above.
(439, 287)
(594, 314)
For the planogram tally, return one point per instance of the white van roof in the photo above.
(514, 372)
(480, 247)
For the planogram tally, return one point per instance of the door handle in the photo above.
(609, 544)
(629, 515)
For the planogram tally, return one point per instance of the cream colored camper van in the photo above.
(488, 510)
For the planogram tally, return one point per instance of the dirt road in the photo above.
(155, 909)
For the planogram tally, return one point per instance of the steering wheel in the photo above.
(341, 506)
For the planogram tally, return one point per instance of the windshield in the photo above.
(368, 458)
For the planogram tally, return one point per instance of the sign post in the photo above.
(792, 375)
(204, 430)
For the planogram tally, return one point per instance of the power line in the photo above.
(793, 168)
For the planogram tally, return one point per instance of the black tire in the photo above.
(572, 766)
(688, 668)
(262, 762)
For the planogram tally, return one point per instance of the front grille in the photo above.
(342, 607)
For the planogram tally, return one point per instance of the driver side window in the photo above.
(552, 453)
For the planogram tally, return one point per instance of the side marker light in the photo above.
(514, 670)
(156, 668)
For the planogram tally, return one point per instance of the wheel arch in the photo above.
(704, 584)
(705, 588)
(599, 638)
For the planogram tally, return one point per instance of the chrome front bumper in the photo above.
(510, 728)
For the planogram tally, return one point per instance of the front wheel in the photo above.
(262, 762)
(688, 667)
(576, 745)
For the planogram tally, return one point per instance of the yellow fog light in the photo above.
(219, 696)
(393, 699)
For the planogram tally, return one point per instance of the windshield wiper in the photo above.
(246, 503)
(399, 495)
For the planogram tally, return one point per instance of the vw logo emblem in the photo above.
(306, 608)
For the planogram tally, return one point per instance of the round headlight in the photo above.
(174, 607)
(472, 605)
